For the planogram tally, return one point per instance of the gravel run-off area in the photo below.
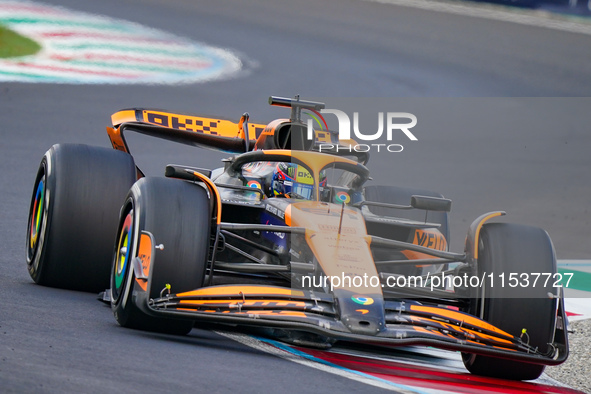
(576, 371)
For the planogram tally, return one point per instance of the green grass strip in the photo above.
(580, 280)
(13, 44)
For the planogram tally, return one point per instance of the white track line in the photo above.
(498, 13)
(325, 367)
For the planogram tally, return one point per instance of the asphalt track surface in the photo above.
(59, 341)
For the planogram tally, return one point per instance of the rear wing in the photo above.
(225, 135)
(192, 130)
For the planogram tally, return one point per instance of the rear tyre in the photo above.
(177, 215)
(74, 213)
(515, 249)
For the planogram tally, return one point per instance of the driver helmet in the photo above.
(292, 180)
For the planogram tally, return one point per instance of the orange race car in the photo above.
(287, 236)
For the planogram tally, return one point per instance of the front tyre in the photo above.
(176, 215)
(73, 215)
(515, 249)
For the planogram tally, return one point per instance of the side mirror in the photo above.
(430, 203)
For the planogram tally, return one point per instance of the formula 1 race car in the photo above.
(286, 236)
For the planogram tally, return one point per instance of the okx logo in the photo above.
(394, 124)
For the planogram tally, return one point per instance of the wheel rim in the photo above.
(36, 218)
(123, 255)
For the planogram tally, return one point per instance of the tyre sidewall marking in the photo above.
(119, 272)
(37, 213)
(130, 283)
(39, 250)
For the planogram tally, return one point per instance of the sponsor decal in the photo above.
(275, 211)
(254, 184)
(430, 239)
(362, 300)
(342, 197)
(304, 176)
(330, 228)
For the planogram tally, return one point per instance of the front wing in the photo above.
(407, 322)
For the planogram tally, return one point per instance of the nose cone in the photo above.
(362, 314)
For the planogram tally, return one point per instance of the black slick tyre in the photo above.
(177, 216)
(512, 249)
(74, 213)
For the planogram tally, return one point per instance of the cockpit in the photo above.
(320, 178)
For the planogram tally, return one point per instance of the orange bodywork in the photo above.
(117, 140)
(214, 192)
(145, 255)
(239, 291)
(198, 124)
(341, 255)
(251, 303)
(330, 241)
(457, 316)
